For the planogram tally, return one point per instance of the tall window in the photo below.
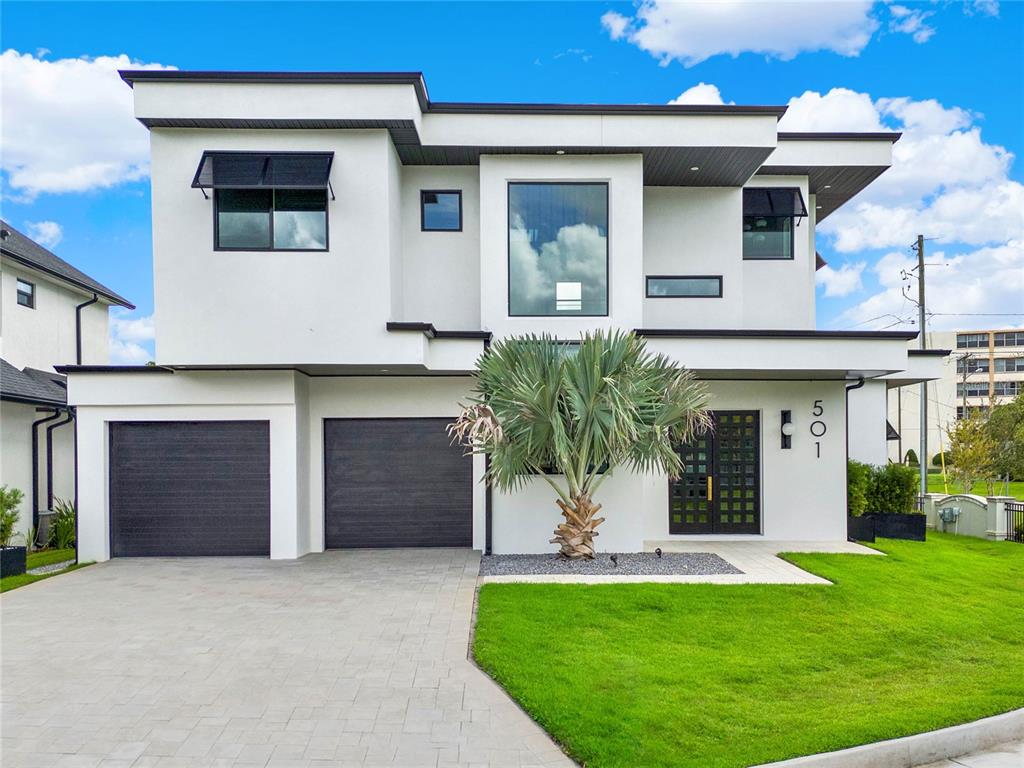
(557, 249)
(271, 219)
(26, 293)
(769, 221)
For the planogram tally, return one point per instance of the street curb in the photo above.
(920, 749)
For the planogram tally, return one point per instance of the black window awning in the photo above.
(773, 201)
(890, 432)
(263, 170)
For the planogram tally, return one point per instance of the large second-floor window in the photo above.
(769, 222)
(557, 248)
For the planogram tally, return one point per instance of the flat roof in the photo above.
(416, 79)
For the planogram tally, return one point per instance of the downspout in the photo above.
(487, 488)
(78, 327)
(35, 462)
(49, 456)
(75, 453)
(846, 467)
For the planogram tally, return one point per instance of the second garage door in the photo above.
(189, 488)
(395, 483)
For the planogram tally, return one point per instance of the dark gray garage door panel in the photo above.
(395, 483)
(189, 488)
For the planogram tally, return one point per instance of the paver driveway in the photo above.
(343, 658)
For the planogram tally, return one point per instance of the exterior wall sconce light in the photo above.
(787, 429)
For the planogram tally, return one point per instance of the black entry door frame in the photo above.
(719, 490)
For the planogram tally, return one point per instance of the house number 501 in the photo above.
(818, 427)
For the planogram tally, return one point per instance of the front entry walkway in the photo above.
(353, 658)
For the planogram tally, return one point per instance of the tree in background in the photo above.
(910, 458)
(972, 452)
(1006, 428)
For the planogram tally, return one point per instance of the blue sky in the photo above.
(950, 73)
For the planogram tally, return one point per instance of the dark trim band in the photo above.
(432, 333)
(711, 333)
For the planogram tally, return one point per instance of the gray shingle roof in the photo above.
(31, 386)
(22, 248)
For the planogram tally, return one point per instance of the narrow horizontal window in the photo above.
(973, 365)
(441, 210)
(557, 249)
(26, 293)
(1006, 388)
(1010, 339)
(973, 340)
(1009, 364)
(667, 287)
(769, 221)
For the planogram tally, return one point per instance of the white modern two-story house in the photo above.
(333, 252)
(50, 314)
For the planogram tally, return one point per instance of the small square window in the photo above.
(441, 210)
(26, 293)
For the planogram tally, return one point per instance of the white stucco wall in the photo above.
(16, 455)
(250, 307)
(694, 232)
(803, 495)
(441, 270)
(624, 174)
(780, 294)
(44, 336)
(868, 411)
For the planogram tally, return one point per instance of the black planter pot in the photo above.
(860, 529)
(12, 561)
(910, 527)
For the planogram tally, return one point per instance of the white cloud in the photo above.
(577, 254)
(701, 93)
(68, 124)
(693, 32)
(945, 180)
(988, 281)
(911, 21)
(46, 233)
(842, 281)
(131, 338)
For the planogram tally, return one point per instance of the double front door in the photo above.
(719, 488)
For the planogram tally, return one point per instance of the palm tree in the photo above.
(571, 413)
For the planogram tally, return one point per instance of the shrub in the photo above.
(910, 458)
(62, 526)
(939, 458)
(858, 479)
(892, 489)
(10, 500)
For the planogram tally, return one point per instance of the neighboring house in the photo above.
(50, 314)
(985, 368)
(332, 253)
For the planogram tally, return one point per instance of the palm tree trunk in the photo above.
(575, 536)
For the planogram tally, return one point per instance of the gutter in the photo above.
(49, 455)
(35, 463)
(78, 326)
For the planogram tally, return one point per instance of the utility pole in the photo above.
(923, 456)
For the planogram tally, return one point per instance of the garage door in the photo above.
(190, 488)
(395, 483)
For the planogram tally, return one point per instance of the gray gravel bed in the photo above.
(629, 564)
(50, 568)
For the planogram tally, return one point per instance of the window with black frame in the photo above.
(557, 249)
(26, 293)
(770, 216)
(267, 201)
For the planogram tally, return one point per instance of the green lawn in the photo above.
(935, 485)
(13, 582)
(48, 557)
(713, 676)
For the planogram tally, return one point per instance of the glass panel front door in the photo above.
(719, 490)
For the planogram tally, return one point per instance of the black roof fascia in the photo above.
(728, 333)
(112, 369)
(839, 136)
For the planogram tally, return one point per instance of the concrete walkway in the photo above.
(1002, 756)
(338, 659)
